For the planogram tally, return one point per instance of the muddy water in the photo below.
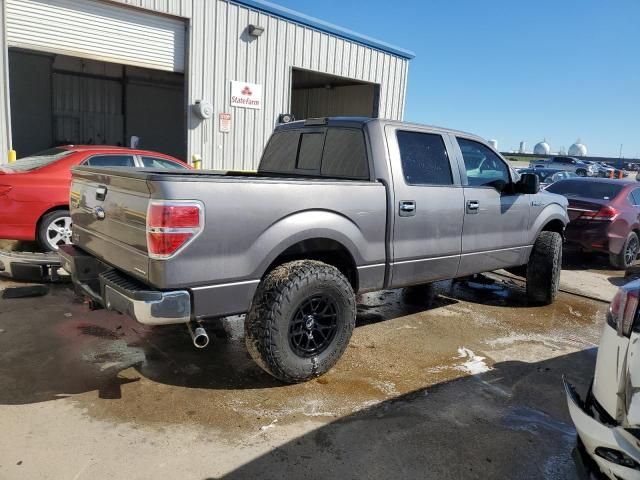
(116, 370)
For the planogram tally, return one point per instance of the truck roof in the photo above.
(359, 122)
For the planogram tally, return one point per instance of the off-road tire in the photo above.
(543, 269)
(620, 260)
(275, 303)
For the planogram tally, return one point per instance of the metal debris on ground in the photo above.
(25, 291)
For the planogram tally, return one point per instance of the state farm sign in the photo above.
(246, 95)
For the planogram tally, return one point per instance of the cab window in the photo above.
(484, 168)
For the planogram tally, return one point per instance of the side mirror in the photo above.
(529, 183)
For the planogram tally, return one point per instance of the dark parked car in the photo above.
(605, 216)
(547, 176)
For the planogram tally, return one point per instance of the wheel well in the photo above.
(52, 209)
(324, 250)
(554, 226)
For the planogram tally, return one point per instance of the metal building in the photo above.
(192, 78)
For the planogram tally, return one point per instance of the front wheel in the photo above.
(54, 229)
(581, 173)
(629, 253)
(543, 269)
(301, 320)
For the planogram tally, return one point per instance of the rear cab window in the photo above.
(585, 189)
(332, 152)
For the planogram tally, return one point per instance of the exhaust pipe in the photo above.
(198, 336)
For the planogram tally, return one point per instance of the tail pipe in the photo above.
(198, 336)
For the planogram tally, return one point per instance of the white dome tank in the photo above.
(493, 144)
(578, 149)
(542, 148)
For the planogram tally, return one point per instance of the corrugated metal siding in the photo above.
(219, 51)
(119, 35)
(5, 126)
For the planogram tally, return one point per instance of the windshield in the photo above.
(38, 160)
(592, 190)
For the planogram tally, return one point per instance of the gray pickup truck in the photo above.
(338, 206)
(569, 164)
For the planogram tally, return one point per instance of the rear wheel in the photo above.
(543, 269)
(301, 320)
(54, 229)
(629, 253)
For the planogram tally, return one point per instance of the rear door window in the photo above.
(111, 161)
(154, 162)
(424, 158)
(634, 197)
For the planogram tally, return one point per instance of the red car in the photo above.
(34, 191)
(605, 216)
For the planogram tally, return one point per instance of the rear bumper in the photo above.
(596, 236)
(116, 291)
(31, 266)
(595, 434)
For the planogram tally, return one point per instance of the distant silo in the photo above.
(493, 144)
(578, 149)
(522, 147)
(542, 148)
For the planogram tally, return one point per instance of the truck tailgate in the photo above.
(109, 218)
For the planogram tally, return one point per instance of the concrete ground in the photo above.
(467, 386)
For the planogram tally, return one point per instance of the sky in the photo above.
(512, 70)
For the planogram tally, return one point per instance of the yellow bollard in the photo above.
(196, 161)
(12, 156)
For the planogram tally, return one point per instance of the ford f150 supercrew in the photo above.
(338, 206)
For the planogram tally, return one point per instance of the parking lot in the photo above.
(467, 385)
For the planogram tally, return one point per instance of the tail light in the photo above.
(171, 225)
(4, 189)
(624, 309)
(605, 214)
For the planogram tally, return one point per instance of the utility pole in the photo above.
(620, 150)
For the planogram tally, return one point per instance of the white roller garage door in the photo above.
(97, 30)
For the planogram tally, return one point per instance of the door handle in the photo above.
(101, 193)
(407, 208)
(473, 206)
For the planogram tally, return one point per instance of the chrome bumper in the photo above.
(118, 292)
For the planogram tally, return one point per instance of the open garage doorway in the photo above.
(61, 100)
(316, 94)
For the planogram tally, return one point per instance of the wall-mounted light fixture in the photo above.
(255, 30)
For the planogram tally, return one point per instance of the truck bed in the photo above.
(250, 219)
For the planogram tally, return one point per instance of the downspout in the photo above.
(5, 92)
